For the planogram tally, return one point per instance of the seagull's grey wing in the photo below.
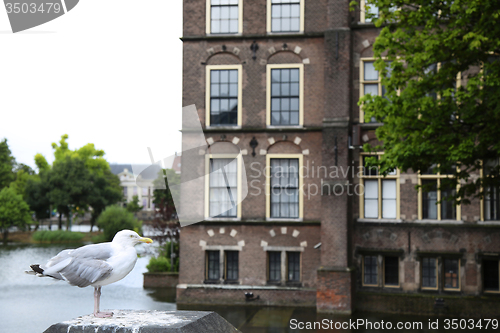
(83, 272)
(81, 267)
(101, 251)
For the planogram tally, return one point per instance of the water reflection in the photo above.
(30, 304)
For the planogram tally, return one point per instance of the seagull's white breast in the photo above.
(123, 261)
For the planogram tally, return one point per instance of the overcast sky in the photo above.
(108, 72)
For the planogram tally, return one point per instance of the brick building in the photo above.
(276, 85)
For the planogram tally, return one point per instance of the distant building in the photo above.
(176, 165)
(140, 183)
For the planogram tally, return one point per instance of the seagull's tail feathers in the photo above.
(35, 270)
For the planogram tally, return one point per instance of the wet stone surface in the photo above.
(130, 321)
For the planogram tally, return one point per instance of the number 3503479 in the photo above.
(32, 8)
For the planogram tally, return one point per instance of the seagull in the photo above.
(94, 265)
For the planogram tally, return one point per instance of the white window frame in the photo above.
(300, 157)
(239, 159)
(269, 20)
(380, 179)
(438, 178)
(301, 93)
(208, 70)
(208, 29)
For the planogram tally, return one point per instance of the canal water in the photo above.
(29, 304)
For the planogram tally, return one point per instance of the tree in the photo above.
(134, 206)
(106, 190)
(36, 198)
(13, 211)
(69, 185)
(7, 163)
(166, 224)
(114, 219)
(430, 122)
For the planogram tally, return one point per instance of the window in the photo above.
(370, 83)
(144, 204)
(285, 188)
(429, 273)
(368, 13)
(145, 191)
(432, 200)
(285, 86)
(285, 16)
(135, 190)
(451, 269)
(293, 266)
(223, 187)
(391, 272)
(370, 271)
(224, 17)
(231, 268)
(223, 96)
(274, 269)
(213, 265)
(125, 191)
(380, 198)
(491, 201)
(491, 269)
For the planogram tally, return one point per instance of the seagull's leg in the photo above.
(97, 300)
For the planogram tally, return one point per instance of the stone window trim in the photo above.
(239, 159)
(300, 157)
(491, 258)
(437, 177)
(284, 264)
(269, 20)
(222, 263)
(208, 21)
(380, 254)
(483, 202)
(269, 68)
(363, 82)
(381, 267)
(208, 71)
(362, 178)
(440, 260)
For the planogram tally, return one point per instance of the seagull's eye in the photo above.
(131, 236)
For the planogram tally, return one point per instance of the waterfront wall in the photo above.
(161, 280)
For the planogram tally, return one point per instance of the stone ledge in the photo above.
(125, 321)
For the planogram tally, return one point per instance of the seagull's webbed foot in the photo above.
(103, 314)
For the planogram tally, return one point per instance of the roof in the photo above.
(147, 171)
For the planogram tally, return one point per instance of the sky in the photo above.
(108, 72)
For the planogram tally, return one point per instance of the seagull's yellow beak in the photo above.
(146, 240)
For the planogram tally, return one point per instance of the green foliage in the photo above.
(41, 163)
(7, 163)
(57, 236)
(134, 206)
(106, 191)
(157, 265)
(13, 211)
(69, 184)
(36, 198)
(428, 122)
(98, 238)
(114, 219)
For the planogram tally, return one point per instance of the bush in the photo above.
(160, 264)
(57, 236)
(114, 219)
